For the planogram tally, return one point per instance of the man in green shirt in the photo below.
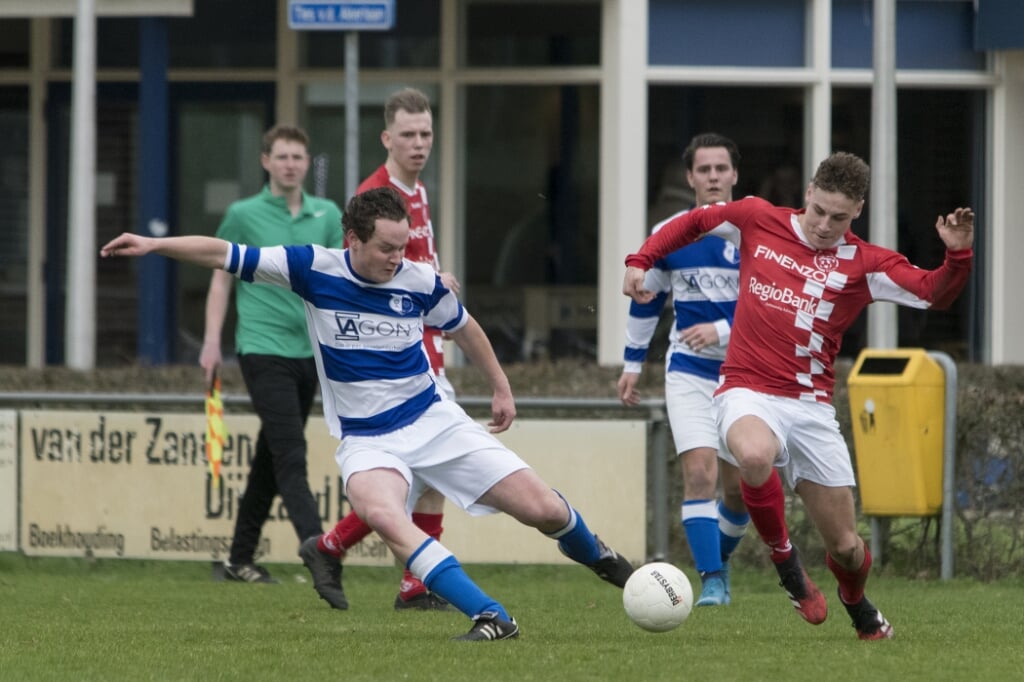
(273, 345)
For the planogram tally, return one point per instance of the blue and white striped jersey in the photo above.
(367, 337)
(703, 279)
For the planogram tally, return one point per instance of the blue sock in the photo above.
(700, 522)
(443, 574)
(731, 528)
(576, 540)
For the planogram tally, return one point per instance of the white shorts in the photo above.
(812, 447)
(444, 449)
(691, 414)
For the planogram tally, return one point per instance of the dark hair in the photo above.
(407, 99)
(845, 173)
(711, 140)
(284, 132)
(363, 211)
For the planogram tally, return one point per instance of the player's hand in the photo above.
(699, 336)
(633, 286)
(503, 411)
(450, 282)
(627, 389)
(126, 244)
(957, 229)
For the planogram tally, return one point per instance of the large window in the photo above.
(13, 223)
(766, 123)
(531, 163)
(14, 43)
(735, 33)
(939, 167)
(116, 212)
(502, 33)
(218, 162)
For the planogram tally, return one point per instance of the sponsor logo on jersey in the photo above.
(697, 280)
(790, 263)
(826, 262)
(771, 293)
(400, 303)
(354, 327)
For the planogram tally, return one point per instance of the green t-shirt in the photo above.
(271, 320)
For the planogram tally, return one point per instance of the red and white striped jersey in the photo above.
(420, 248)
(795, 301)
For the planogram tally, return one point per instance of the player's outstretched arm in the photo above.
(477, 347)
(957, 229)
(207, 252)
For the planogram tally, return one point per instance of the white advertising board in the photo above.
(136, 485)
(8, 480)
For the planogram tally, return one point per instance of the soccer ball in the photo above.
(657, 597)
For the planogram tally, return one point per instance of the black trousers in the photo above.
(282, 391)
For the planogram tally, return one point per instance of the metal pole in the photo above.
(876, 539)
(351, 113)
(80, 311)
(883, 331)
(157, 303)
(659, 484)
(948, 461)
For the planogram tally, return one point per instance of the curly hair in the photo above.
(363, 211)
(845, 173)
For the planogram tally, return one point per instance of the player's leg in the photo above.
(379, 497)
(699, 515)
(323, 554)
(752, 423)
(847, 556)
(428, 515)
(525, 497)
(688, 400)
(324, 559)
(733, 518)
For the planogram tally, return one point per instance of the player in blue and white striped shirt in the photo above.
(703, 279)
(365, 309)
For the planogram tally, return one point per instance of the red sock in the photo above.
(766, 504)
(851, 583)
(431, 525)
(346, 533)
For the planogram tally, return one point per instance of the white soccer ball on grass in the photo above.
(658, 597)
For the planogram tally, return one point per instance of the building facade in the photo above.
(558, 131)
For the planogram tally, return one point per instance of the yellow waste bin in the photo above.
(897, 406)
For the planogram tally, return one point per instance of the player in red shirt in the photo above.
(408, 137)
(804, 278)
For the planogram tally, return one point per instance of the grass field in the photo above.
(69, 619)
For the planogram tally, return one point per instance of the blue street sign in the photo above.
(341, 15)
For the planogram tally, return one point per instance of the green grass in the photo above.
(65, 619)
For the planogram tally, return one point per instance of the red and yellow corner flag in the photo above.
(215, 431)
